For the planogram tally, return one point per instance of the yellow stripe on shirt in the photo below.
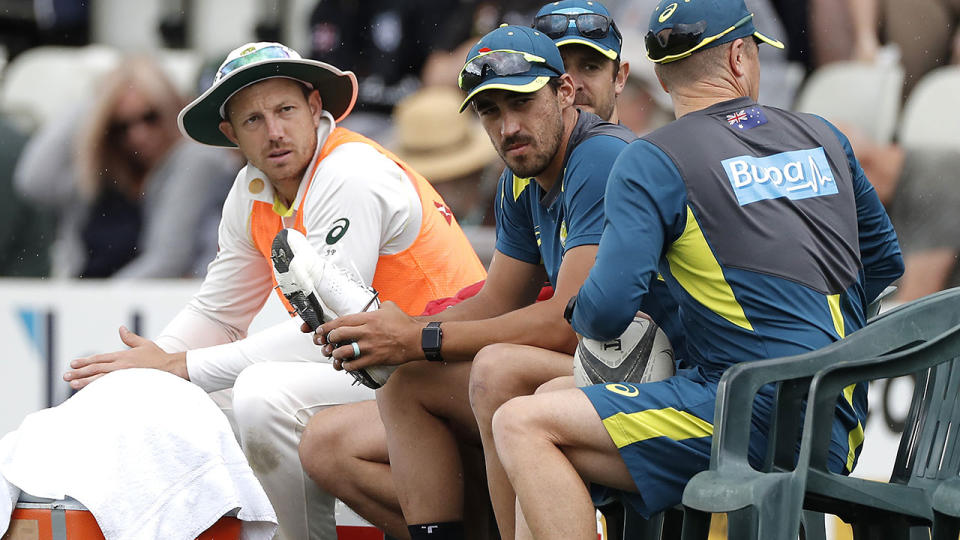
(696, 270)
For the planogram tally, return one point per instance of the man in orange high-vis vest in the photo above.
(357, 204)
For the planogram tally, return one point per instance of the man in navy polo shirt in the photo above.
(590, 43)
(767, 234)
(549, 219)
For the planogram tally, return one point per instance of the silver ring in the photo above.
(356, 350)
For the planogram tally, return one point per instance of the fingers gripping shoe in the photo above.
(321, 291)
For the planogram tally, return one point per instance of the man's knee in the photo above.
(409, 383)
(320, 446)
(514, 421)
(491, 379)
(257, 396)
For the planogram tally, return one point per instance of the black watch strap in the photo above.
(431, 337)
(568, 312)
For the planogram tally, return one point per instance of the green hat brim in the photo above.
(200, 119)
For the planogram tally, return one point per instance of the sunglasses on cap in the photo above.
(589, 25)
(272, 52)
(682, 40)
(502, 63)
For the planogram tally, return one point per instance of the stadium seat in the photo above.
(864, 95)
(183, 68)
(45, 81)
(918, 337)
(931, 116)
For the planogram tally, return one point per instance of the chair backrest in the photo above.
(931, 116)
(921, 337)
(930, 448)
(45, 81)
(864, 95)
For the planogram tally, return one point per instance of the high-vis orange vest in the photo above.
(439, 262)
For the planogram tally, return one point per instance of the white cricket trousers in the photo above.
(272, 402)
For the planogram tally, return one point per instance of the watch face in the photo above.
(430, 339)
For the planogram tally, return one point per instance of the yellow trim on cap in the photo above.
(608, 53)
(703, 43)
(530, 87)
(769, 41)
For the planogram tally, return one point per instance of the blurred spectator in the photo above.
(464, 23)
(385, 43)
(132, 195)
(25, 230)
(643, 105)
(454, 153)
(918, 186)
(924, 31)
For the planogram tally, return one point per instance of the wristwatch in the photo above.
(568, 312)
(430, 339)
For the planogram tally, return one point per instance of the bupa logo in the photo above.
(799, 174)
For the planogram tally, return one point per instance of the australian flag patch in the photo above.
(747, 118)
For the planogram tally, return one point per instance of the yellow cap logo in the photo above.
(249, 50)
(667, 12)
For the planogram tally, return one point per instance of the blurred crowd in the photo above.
(108, 188)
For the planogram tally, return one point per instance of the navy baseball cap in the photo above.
(582, 22)
(514, 58)
(681, 28)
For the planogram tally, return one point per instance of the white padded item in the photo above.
(931, 117)
(861, 94)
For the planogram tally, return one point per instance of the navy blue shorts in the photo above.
(664, 431)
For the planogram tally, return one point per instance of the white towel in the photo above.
(149, 455)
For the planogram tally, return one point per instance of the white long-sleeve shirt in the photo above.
(355, 187)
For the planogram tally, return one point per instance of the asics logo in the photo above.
(339, 229)
(799, 174)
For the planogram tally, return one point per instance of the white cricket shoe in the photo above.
(321, 291)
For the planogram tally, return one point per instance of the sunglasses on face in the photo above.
(500, 63)
(120, 127)
(683, 40)
(272, 52)
(589, 25)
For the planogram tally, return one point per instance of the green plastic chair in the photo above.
(915, 337)
(923, 488)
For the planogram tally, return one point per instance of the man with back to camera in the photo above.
(768, 235)
(549, 215)
(357, 204)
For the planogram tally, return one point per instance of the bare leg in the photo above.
(421, 407)
(344, 450)
(546, 443)
(523, 532)
(501, 372)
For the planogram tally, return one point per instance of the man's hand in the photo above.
(143, 353)
(386, 336)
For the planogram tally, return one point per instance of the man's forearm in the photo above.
(539, 325)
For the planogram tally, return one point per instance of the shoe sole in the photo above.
(306, 303)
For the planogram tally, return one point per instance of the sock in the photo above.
(449, 530)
